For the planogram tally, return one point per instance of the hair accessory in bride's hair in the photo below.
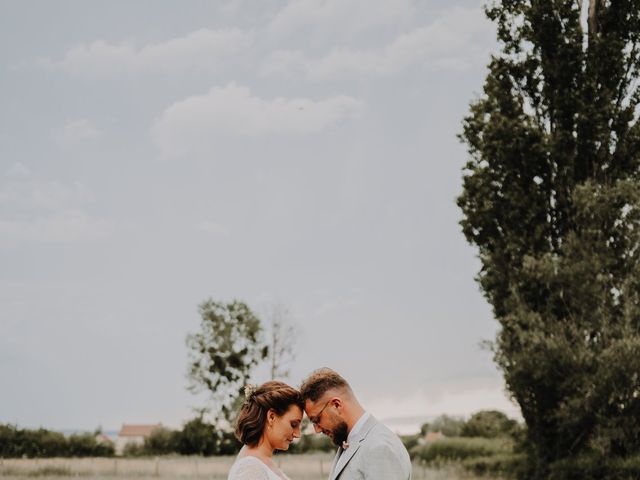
(249, 390)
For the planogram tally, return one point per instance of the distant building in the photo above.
(103, 439)
(133, 434)
(433, 437)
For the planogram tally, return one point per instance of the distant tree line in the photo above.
(18, 442)
(199, 437)
(488, 442)
(482, 424)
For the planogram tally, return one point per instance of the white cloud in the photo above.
(197, 123)
(37, 211)
(199, 50)
(460, 37)
(18, 170)
(462, 399)
(77, 131)
(331, 17)
(65, 226)
(37, 195)
(212, 228)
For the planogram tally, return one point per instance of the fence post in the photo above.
(157, 470)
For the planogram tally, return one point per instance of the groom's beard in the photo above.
(339, 434)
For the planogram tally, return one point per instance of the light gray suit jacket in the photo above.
(376, 454)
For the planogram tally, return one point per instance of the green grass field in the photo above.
(297, 467)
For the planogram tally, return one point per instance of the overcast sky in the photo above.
(154, 154)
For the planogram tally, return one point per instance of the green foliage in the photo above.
(449, 450)
(447, 425)
(410, 441)
(224, 352)
(162, 441)
(593, 467)
(551, 199)
(511, 465)
(133, 449)
(197, 438)
(85, 445)
(227, 444)
(16, 443)
(488, 424)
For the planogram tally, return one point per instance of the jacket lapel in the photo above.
(335, 461)
(353, 448)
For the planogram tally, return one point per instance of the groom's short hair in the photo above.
(320, 382)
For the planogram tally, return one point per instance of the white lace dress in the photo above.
(252, 468)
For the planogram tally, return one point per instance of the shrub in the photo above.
(197, 438)
(456, 449)
(501, 464)
(228, 444)
(488, 424)
(410, 441)
(162, 441)
(595, 467)
(132, 449)
(85, 445)
(16, 443)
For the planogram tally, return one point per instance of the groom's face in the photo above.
(325, 417)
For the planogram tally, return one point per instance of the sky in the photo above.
(155, 154)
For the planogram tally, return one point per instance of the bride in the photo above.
(269, 420)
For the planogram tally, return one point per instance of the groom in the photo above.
(367, 449)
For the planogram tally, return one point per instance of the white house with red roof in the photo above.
(133, 434)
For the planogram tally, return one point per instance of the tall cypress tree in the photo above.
(551, 200)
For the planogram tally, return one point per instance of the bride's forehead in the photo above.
(294, 410)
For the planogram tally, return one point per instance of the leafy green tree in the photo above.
(551, 201)
(84, 445)
(16, 442)
(488, 424)
(161, 441)
(197, 438)
(227, 443)
(224, 352)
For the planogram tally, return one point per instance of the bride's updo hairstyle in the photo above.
(273, 395)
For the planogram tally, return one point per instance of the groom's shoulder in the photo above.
(385, 446)
(381, 434)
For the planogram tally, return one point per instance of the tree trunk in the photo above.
(593, 18)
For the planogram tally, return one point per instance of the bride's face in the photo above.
(281, 430)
